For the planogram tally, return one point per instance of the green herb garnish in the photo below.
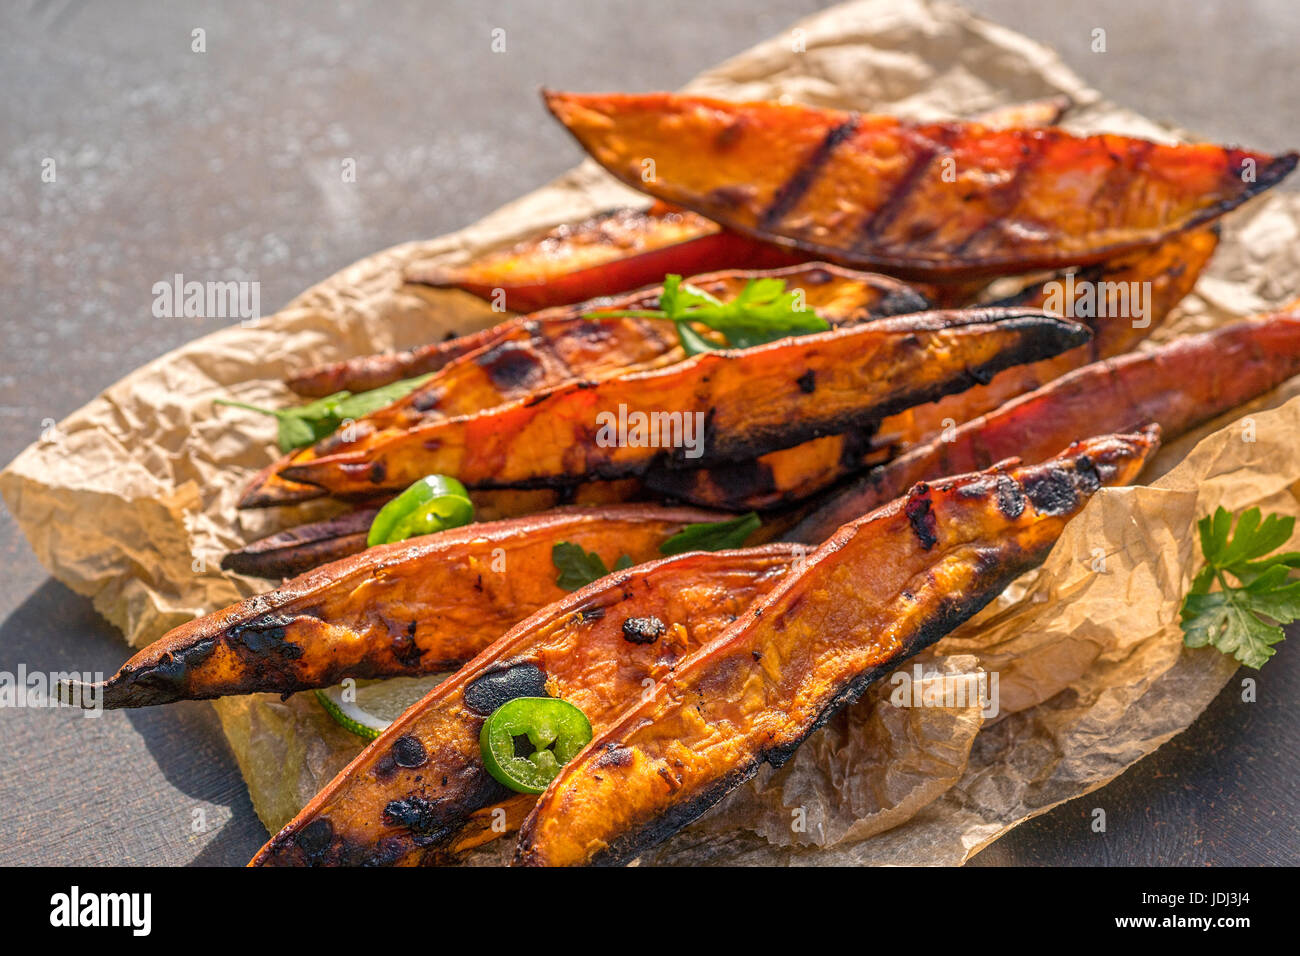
(307, 424)
(578, 568)
(1244, 621)
(712, 535)
(762, 312)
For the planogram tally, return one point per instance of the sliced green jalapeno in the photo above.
(431, 504)
(554, 728)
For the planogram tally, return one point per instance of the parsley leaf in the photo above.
(578, 568)
(307, 424)
(712, 535)
(1244, 621)
(763, 311)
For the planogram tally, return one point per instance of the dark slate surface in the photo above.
(221, 164)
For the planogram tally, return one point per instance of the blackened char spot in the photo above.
(416, 814)
(615, 755)
(1052, 491)
(408, 752)
(901, 302)
(924, 524)
(794, 188)
(314, 839)
(807, 382)
(266, 635)
(427, 399)
(1089, 477)
(731, 196)
(643, 630)
(485, 694)
(511, 365)
(170, 676)
(1010, 501)
(404, 647)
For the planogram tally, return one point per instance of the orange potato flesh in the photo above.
(878, 590)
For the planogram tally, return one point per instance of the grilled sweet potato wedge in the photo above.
(564, 345)
(524, 356)
(1178, 386)
(1164, 275)
(385, 811)
(627, 248)
(913, 199)
(880, 589)
(415, 607)
(607, 254)
(299, 549)
(756, 400)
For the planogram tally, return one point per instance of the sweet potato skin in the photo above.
(415, 607)
(879, 589)
(912, 199)
(379, 811)
(1178, 386)
(757, 400)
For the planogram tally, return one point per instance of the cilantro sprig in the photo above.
(578, 568)
(763, 311)
(712, 535)
(304, 425)
(1244, 620)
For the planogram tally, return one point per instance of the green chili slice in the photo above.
(431, 504)
(554, 728)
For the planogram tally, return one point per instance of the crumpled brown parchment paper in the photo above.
(131, 500)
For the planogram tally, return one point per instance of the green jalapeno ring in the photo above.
(434, 503)
(556, 729)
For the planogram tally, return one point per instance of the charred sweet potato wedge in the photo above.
(415, 607)
(535, 353)
(624, 249)
(754, 400)
(880, 589)
(299, 549)
(598, 648)
(1178, 386)
(914, 199)
(604, 255)
(1164, 275)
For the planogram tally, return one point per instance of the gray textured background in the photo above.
(223, 164)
